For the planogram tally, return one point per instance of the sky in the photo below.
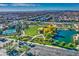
(38, 6)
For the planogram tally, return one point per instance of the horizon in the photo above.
(18, 7)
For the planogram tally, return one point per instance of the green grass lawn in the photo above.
(32, 30)
(12, 37)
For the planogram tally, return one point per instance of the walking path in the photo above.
(38, 36)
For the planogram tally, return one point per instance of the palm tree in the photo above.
(71, 45)
(1, 31)
(18, 27)
(62, 44)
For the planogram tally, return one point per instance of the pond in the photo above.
(9, 31)
(65, 35)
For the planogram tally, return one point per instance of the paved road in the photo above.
(55, 22)
(41, 50)
(50, 51)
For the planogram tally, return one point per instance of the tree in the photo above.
(48, 35)
(29, 54)
(25, 25)
(56, 42)
(62, 44)
(77, 42)
(18, 27)
(70, 45)
(1, 31)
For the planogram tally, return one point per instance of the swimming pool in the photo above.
(9, 31)
(65, 35)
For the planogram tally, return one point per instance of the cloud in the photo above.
(4, 4)
(24, 4)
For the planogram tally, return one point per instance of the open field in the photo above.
(31, 31)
